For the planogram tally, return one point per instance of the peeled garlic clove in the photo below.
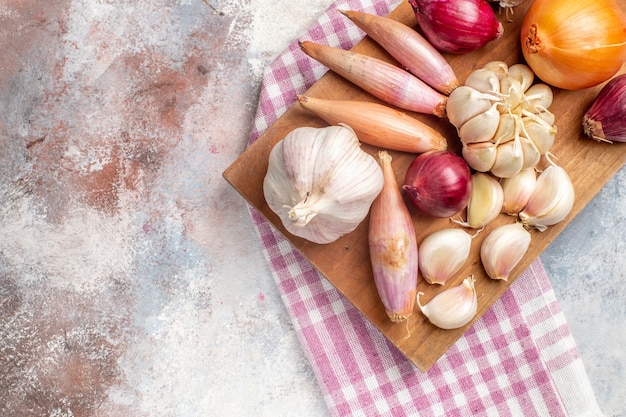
(503, 248)
(551, 200)
(480, 156)
(393, 247)
(517, 190)
(443, 253)
(509, 159)
(541, 133)
(320, 182)
(481, 127)
(465, 102)
(483, 80)
(523, 74)
(530, 153)
(485, 201)
(452, 308)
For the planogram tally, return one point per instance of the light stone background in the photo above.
(132, 281)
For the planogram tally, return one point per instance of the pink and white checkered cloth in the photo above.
(519, 359)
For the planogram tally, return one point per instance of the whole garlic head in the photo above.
(321, 183)
(502, 119)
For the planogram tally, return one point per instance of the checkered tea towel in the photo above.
(519, 359)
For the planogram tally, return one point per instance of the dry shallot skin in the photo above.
(457, 26)
(605, 121)
(393, 247)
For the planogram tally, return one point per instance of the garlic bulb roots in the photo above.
(321, 183)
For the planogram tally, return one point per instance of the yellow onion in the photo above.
(574, 44)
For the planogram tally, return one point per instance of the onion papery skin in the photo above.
(605, 121)
(457, 26)
(438, 183)
(574, 44)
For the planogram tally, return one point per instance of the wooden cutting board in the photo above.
(345, 262)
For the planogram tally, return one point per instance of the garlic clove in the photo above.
(443, 253)
(511, 90)
(483, 80)
(551, 200)
(517, 191)
(320, 182)
(481, 127)
(537, 98)
(503, 248)
(523, 74)
(480, 156)
(546, 116)
(393, 247)
(509, 159)
(531, 155)
(500, 68)
(508, 128)
(452, 308)
(465, 102)
(541, 133)
(485, 201)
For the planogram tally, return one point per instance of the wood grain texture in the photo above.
(345, 262)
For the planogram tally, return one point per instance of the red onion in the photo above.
(605, 121)
(438, 183)
(457, 26)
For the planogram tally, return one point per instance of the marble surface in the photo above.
(132, 281)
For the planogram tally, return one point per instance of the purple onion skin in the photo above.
(605, 121)
(457, 26)
(438, 183)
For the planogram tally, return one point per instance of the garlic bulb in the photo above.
(452, 308)
(551, 200)
(503, 248)
(321, 183)
(502, 119)
(443, 253)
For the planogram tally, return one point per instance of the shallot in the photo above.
(393, 247)
(381, 79)
(605, 121)
(409, 48)
(438, 183)
(457, 26)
